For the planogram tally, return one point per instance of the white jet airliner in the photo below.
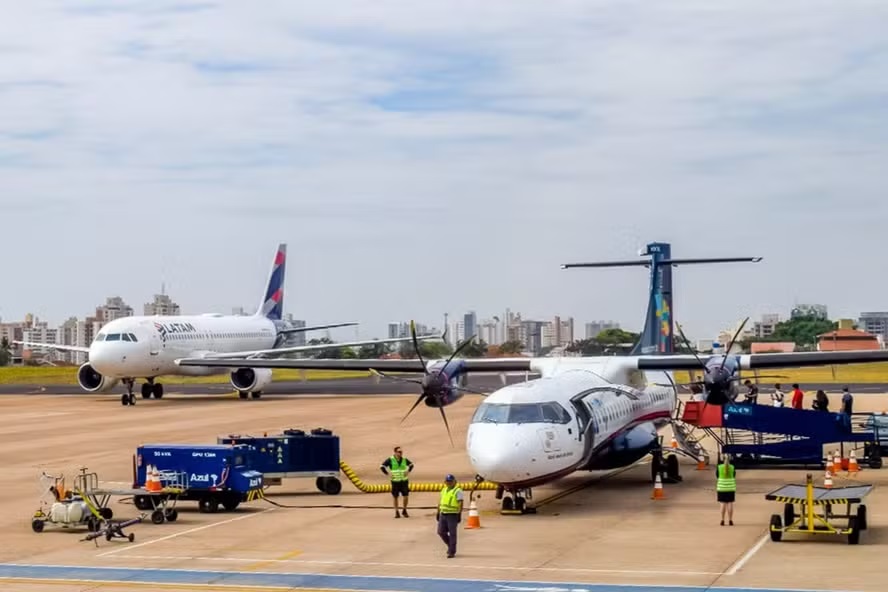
(583, 413)
(148, 346)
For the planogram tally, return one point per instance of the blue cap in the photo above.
(450, 477)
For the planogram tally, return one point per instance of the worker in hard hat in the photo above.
(449, 513)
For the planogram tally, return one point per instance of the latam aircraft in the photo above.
(148, 346)
(583, 413)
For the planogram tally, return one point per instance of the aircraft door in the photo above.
(154, 343)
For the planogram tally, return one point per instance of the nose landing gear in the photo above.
(514, 502)
(128, 398)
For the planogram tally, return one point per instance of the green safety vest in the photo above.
(726, 479)
(398, 472)
(449, 504)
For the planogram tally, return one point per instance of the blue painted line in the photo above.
(329, 581)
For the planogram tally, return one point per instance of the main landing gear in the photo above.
(244, 394)
(148, 389)
(514, 502)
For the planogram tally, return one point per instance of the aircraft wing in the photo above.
(413, 365)
(255, 355)
(316, 328)
(73, 348)
(773, 360)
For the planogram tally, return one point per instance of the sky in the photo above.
(423, 158)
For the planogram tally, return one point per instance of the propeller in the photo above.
(436, 383)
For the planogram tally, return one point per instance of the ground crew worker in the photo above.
(726, 488)
(399, 468)
(449, 513)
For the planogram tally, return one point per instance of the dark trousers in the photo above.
(447, 527)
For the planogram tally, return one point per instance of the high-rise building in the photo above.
(470, 324)
(162, 305)
(817, 311)
(296, 339)
(596, 327)
(766, 326)
(875, 323)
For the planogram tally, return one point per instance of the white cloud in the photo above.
(484, 132)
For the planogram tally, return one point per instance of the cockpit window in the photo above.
(132, 337)
(113, 337)
(550, 412)
(125, 336)
(100, 337)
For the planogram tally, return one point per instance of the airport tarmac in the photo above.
(597, 532)
(353, 386)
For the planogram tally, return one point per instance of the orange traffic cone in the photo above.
(853, 467)
(827, 480)
(701, 463)
(147, 476)
(828, 462)
(153, 482)
(658, 489)
(674, 442)
(837, 462)
(474, 520)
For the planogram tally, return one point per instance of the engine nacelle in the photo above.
(626, 448)
(251, 380)
(442, 388)
(93, 382)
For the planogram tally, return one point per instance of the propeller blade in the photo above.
(415, 405)
(733, 339)
(693, 350)
(416, 346)
(459, 348)
(446, 425)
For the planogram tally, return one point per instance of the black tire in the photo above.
(875, 462)
(321, 432)
(171, 515)
(256, 395)
(520, 504)
(854, 535)
(776, 535)
(332, 486)
(208, 505)
(106, 513)
(861, 517)
(132, 399)
(508, 504)
(157, 390)
(672, 469)
(788, 514)
(231, 502)
(157, 517)
(319, 483)
(146, 390)
(142, 502)
(37, 525)
(92, 524)
(124, 399)
(131, 537)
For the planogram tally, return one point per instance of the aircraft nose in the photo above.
(107, 358)
(501, 453)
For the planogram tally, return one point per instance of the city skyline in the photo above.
(482, 148)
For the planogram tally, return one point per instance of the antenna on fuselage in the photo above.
(657, 335)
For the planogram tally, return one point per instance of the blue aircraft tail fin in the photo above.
(657, 334)
(272, 304)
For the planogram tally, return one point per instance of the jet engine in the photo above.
(626, 448)
(93, 382)
(251, 380)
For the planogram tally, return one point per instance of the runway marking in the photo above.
(99, 584)
(265, 563)
(392, 564)
(747, 556)
(315, 582)
(184, 532)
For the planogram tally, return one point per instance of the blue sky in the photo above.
(481, 145)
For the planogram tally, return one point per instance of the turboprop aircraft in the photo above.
(583, 413)
(148, 346)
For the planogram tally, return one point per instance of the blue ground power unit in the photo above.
(294, 454)
(212, 475)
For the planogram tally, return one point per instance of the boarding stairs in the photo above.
(760, 435)
(688, 436)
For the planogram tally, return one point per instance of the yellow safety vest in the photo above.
(449, 504)
(726, 479)
(398, 471)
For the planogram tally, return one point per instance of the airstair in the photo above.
(761, 436)
(688, 436)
